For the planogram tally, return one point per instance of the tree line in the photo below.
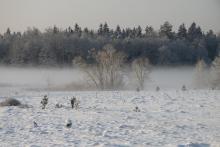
(58, 47)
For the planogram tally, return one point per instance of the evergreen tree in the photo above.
(76, 28)
(106, 29)
(55, 30)
(149, 31)
(55, 46)
(101, 29)
(182, 32)
(8, 32)
(194, 32)
(211, 44)
(166, 30)
(118, 32)
(86, 30)
(70, 30)
(139, 32)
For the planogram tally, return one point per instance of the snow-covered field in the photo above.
(166, 119)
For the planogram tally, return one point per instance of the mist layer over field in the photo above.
(73, 79)
(169, 117)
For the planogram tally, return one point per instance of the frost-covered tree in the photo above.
(201, 75)
(55, 46)
(216, 73)
(141, 68)
(149, 31)
(106, 72)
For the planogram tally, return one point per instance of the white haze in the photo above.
(72, 79)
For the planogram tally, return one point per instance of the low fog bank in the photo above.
(171, 78)
(38, 77)
(73, 79)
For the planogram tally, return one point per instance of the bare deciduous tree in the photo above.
(201, 75)
(141, 68)
(106, 72)
(216, 72)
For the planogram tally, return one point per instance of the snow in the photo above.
(168, 118)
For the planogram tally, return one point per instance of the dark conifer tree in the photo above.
(118, 33)
(149, 31)
(211, 44)
(166, 30)
(8, 32)
(86, 30)
(58, 47)
(106, 30)
(194, 32)
(55, 30)
(77, 29)
(139, 32)
(100, 30)
(182, 32)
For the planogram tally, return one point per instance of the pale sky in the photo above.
(20, 14)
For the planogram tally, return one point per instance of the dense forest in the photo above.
(58, 47)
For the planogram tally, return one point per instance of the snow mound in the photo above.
(10, 102)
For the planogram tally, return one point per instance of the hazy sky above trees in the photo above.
(20, 14)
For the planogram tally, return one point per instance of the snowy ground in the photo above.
(167, 119)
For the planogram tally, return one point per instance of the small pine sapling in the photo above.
(183, 88)
(157, 88)
(136, 109)
(77, 104)
(73, 102)
(44, 102)
(35, 124)
(68, 123)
